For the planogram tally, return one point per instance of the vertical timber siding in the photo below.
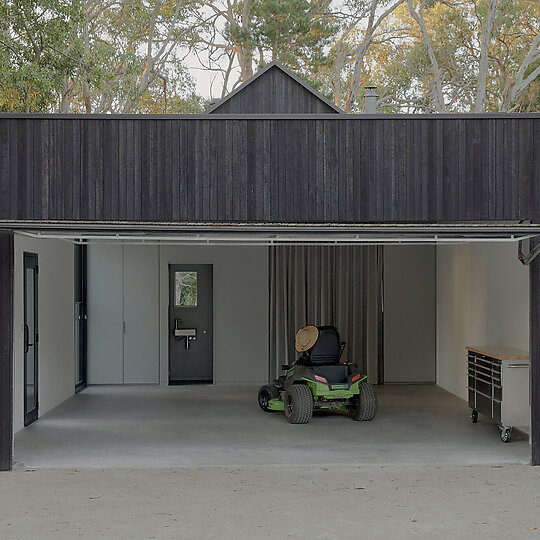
(286, 169)
(6, 351)
(275, 92)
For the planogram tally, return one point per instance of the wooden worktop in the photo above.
(500, 352)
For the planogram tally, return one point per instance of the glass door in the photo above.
(81, 317)
(31, 338)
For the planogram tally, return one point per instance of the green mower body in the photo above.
(328, 385)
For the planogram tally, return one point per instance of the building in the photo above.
(247, 199)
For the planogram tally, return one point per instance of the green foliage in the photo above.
(40, 46)
(404, 73)
(295, 32)
(186, 289)
(92, 55)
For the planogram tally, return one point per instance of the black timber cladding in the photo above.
(6, 350)
(274, 90)
(289, 169)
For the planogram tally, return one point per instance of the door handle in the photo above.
(27, 343)
(26, 338)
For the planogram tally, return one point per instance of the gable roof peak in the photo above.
(289, 94)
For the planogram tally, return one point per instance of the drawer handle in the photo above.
(517, 365)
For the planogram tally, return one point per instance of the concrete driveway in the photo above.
(326, 503)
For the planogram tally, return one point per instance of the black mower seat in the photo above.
(333, 374)
(324, 357)
(327, 348)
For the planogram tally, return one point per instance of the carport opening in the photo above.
(164, 388)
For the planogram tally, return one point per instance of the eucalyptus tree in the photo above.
(40, 49)
(362, 27)
(96, 55)
(466, 55)
(133, 51)
(244, 35)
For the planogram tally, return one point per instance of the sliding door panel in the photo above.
(141, 314)
(105, 315)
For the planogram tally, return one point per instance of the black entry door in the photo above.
(191, 348)
(81, 317)
(31, 338)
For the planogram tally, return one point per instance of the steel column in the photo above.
(534, 273)
(6, 350)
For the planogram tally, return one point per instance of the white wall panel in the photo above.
(482, 299)
(141, 314)
(56, 312)
(105, 314)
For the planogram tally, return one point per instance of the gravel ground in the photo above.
(273, 502)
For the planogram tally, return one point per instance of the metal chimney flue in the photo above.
(370, 100)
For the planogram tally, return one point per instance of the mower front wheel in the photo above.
(365, 405)
(298, 404)
(266, 393)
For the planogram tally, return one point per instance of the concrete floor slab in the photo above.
(331, 503)
(187, 426)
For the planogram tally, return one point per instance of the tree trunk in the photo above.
(483, 62)
(519, 84)
(246, 60)
(438, 96)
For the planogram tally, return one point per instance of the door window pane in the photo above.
(30, 337)
(185, 294)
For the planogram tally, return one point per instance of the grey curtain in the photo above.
(336, 285)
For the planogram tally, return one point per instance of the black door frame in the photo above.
(81, 314)
(31, 262)
(6, 349)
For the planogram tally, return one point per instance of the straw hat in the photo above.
(306, 338)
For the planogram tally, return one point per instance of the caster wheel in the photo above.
(266, 393)
(506, 434)
(474, 416)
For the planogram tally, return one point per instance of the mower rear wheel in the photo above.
(266, 393)
(365, 405)
(298, 404)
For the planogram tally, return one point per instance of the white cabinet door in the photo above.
(141, 314)
(105, 315)
(123, 314)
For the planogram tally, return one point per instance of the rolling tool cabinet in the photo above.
(498, 386)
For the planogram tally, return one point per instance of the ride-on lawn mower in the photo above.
(318, 380)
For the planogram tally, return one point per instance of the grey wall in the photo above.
(240, 308)
(409, 314)
(56, 312)
(482, 299)
(131, 283)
